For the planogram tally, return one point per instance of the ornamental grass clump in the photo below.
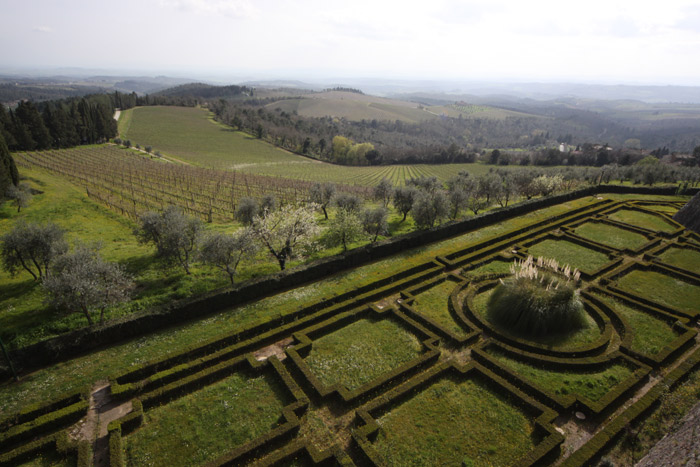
(540, 298)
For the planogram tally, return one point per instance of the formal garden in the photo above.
(539, 343)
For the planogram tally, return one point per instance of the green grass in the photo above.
(591, 384)
(433, 303)
(50, 459)
(662, 289)
(685, 258)
(610, 235)
(643, 220)
(662, 208)
(362, 351)
(189, 134)
(77, 373)
(579, 338)
(454, 422)
(26, 317)
(206, 424)
(651, 334)
(492, 267)
(574, 255)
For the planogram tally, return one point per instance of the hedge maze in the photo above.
(408, 370)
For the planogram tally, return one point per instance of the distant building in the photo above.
(563, 147)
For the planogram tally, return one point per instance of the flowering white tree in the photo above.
(287, 233)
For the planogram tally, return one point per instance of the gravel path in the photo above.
(680, 448)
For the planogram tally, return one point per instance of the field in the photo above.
(354, 106)
(167, 130)
(395, 363)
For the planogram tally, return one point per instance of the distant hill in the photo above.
(206, 91)
(356, 106)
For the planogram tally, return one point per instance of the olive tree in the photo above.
(174, 234)
(225, 251)
(430, 208)
(345, 228)
(20, 195)
(322, 195)
(383, 192)
(374, 222)
(288, 232)
(82, 282)
(32, 247)
(404, 196)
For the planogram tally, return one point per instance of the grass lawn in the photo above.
(685, 258)
(610, 235)
(579, 338)
(492, 267)
(362, 351)
(206, 424)
(662, 208)
(574, 255)
(662, 289)
(651, 334)
(77, 373)
(455, 422)
(643, 220)
(433, 303)
(591, 384)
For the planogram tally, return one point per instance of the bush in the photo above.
(539, 299)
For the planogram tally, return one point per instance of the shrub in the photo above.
(540, 298)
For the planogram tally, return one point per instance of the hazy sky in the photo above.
(636, 41)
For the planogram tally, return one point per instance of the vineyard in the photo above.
(129, 183)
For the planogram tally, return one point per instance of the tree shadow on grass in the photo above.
(18, 289)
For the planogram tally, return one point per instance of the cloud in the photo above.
(42, 29)
(230, 8)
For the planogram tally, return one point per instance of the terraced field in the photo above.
(404, 368)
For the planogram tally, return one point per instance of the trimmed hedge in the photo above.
(69, 345)
(406, 306)
(42, 424)
(670, 352)
(561, 403)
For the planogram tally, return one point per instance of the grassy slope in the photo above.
(190, 135)
(75, 374)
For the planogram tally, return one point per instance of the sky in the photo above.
(592, 41)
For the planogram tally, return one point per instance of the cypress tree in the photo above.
(8, 170)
